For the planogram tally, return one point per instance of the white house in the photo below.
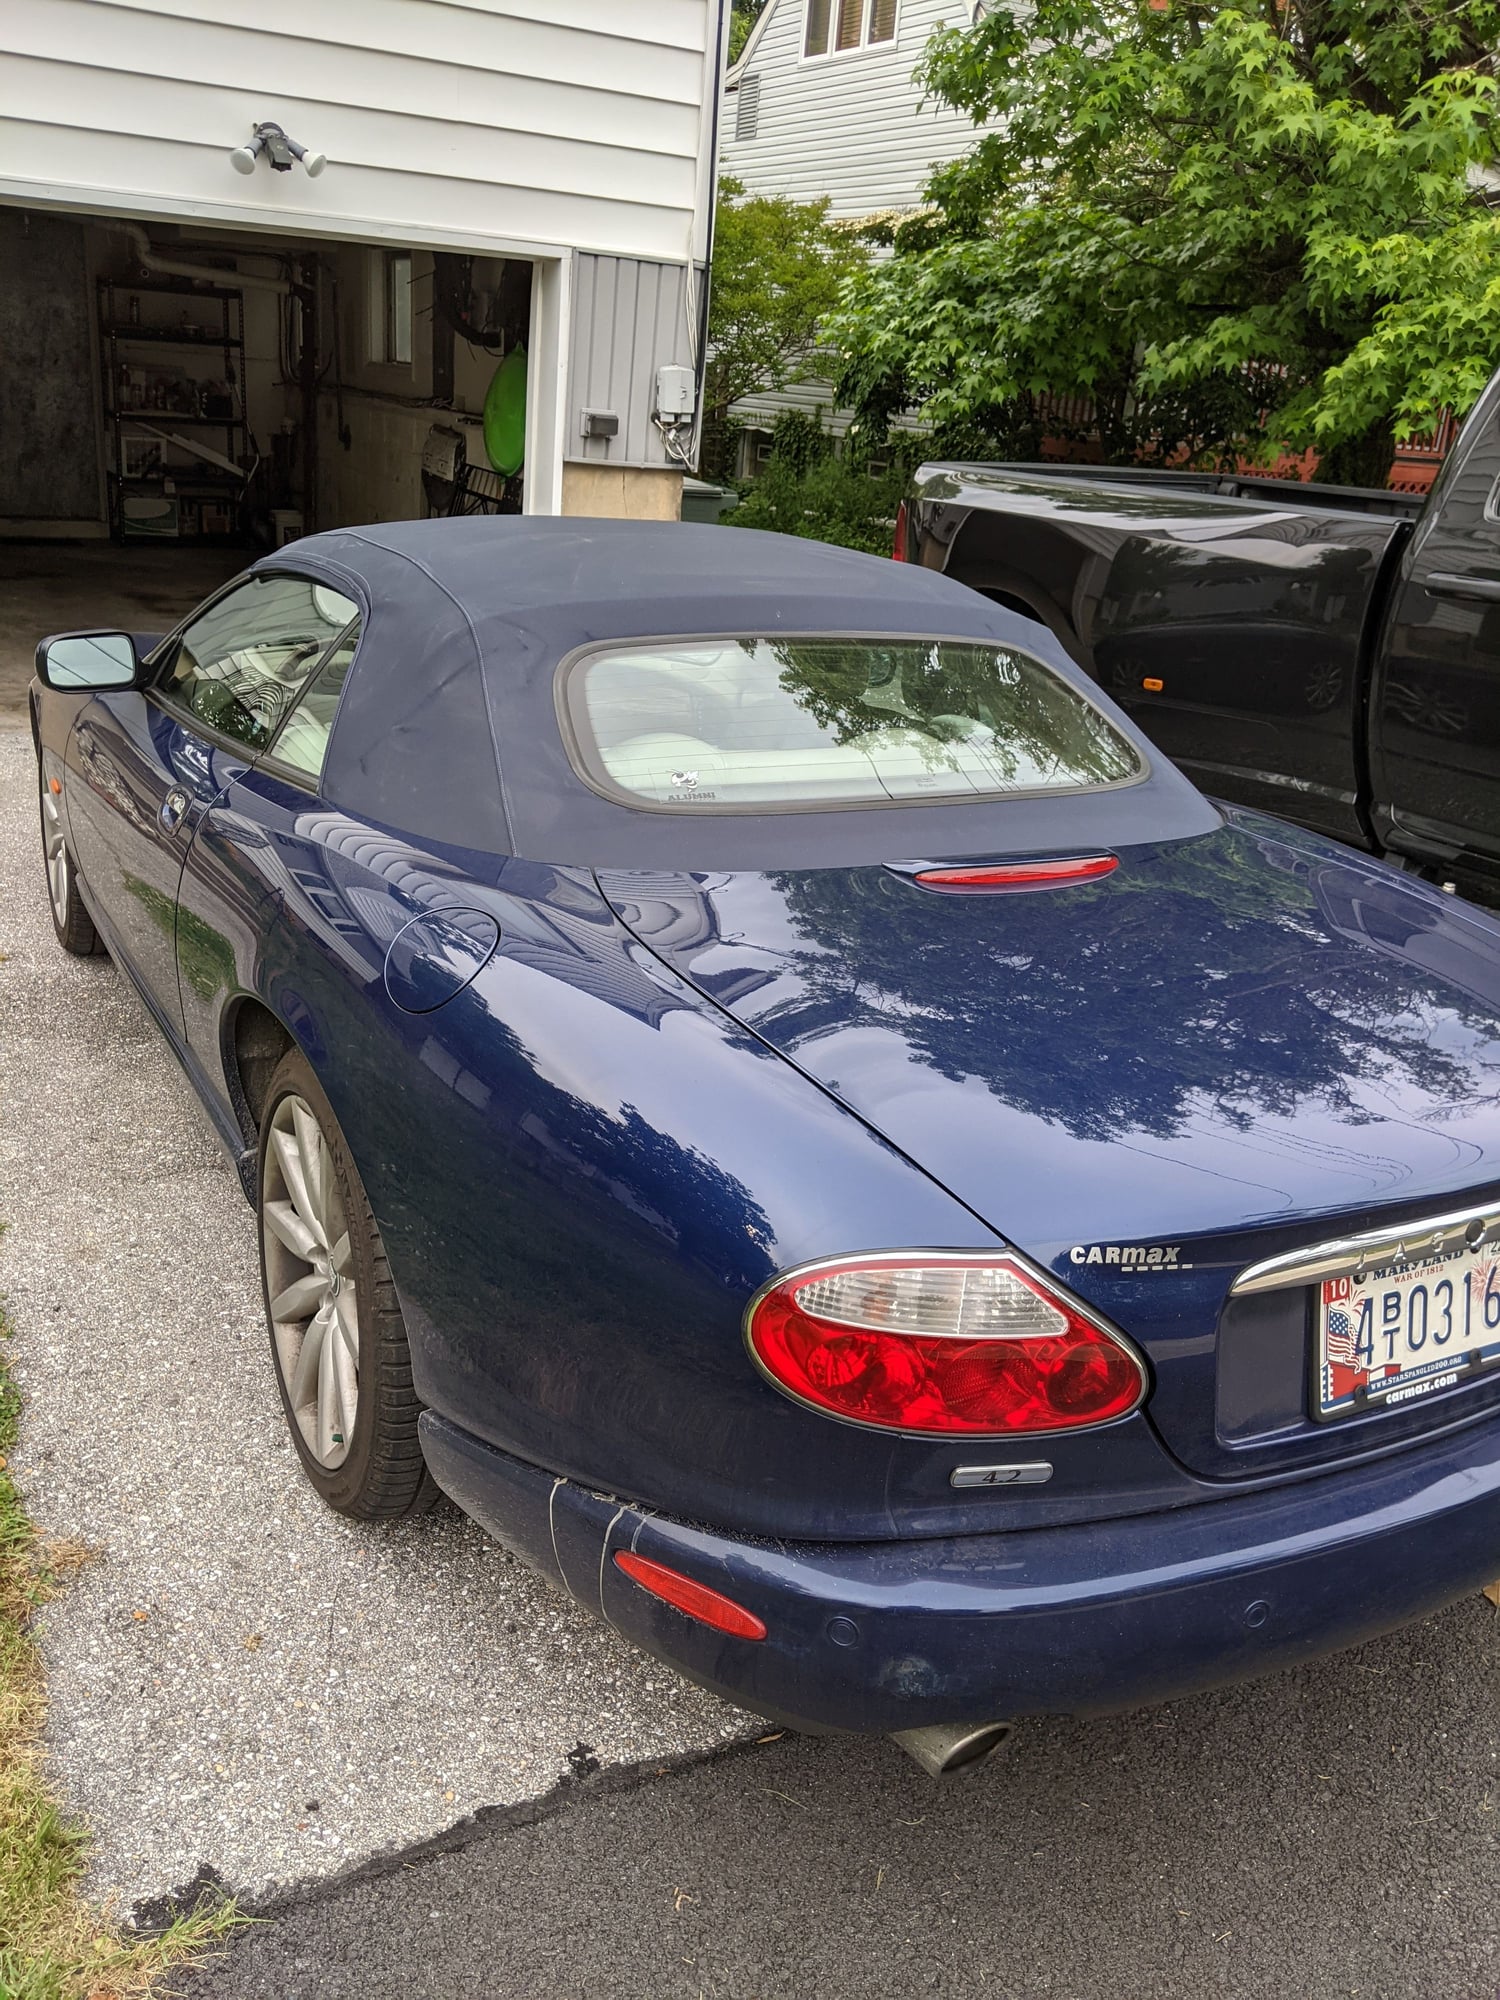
(824, 101)
(181, 302)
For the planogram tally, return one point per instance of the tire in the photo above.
(324, 1268)
(70, 918)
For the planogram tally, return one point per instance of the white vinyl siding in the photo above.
(570, 123)
(850, 124)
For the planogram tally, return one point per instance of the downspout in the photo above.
(700, 359)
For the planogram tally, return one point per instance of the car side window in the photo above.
(303, 740)
(240, 664)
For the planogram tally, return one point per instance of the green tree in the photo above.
(1228, 225)
(808, 490)
(778, 268)
(743, 17)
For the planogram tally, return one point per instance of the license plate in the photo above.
(1406, 1331)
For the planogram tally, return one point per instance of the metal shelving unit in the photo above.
(159, 488)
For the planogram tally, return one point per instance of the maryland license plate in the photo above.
(1409, 1330)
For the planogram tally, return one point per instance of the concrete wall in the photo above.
(49, 459)
(622, 492)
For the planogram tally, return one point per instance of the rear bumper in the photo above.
(894, 1635)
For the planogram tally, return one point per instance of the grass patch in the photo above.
(53, 1945)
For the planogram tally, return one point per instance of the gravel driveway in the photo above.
(238, 1677)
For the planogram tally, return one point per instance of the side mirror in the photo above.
(88, 661)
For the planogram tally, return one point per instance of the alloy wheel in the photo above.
(310, 1283)
(55, 848)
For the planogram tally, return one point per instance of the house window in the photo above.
(747, 108)
(836, 25)
(390, 309)
(757, 449)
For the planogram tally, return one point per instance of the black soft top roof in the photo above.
(448, 728)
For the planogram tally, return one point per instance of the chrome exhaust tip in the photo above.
(947, 1748)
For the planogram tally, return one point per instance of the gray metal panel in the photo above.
(630, 317)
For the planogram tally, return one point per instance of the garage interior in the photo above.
(178, 400)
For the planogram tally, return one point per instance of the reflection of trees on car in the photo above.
(205, 957)
(943, 689)
(242, 698)
(1065, 1005)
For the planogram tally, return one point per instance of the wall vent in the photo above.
(747, 108)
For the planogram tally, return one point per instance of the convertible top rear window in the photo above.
(753, 724)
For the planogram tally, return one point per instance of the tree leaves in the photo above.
(1166, 200)
(778, 266)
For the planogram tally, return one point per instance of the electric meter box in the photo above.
(676, 394)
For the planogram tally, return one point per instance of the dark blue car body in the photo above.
(606, 1072)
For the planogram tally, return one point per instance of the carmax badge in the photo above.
(1134, 1256)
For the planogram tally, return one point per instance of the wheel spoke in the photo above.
(301, 1297)
(285, 1222)
(345, 1386)
(289, 1159)
(311, 1151)
(310, 1361)
(328, 1414)
(341, 1256)
(346, 1318)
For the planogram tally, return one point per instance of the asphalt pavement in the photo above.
(239, 1678)
(68, 586)
(1328, 1833)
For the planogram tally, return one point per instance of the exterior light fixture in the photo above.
(269, 139)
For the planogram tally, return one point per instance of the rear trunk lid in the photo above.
(1231, 1048)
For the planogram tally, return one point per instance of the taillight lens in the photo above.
(898, 546)
(943, 1346)
(992, 875)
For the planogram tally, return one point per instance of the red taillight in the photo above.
(942, 1344)
(898, 546)
(1019, 874)
(696, 1599)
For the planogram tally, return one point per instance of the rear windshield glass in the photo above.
(709, 725)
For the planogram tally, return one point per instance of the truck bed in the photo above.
(1234, 618)
(1227, 485)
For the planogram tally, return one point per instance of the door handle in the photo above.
(1444, 584)
(173, 806)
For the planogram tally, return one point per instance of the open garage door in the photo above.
(185, 398)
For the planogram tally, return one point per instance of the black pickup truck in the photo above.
(1321, 652)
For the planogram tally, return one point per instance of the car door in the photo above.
(146, 765)
(1435, 710)
(250, 853)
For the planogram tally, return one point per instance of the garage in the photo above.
(184, 400)
(268, 277)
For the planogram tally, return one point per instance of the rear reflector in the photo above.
(898, 547)
(1019, 874)
(941, 1345)
(696, 1599)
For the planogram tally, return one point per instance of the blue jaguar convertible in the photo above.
(758, 1082)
